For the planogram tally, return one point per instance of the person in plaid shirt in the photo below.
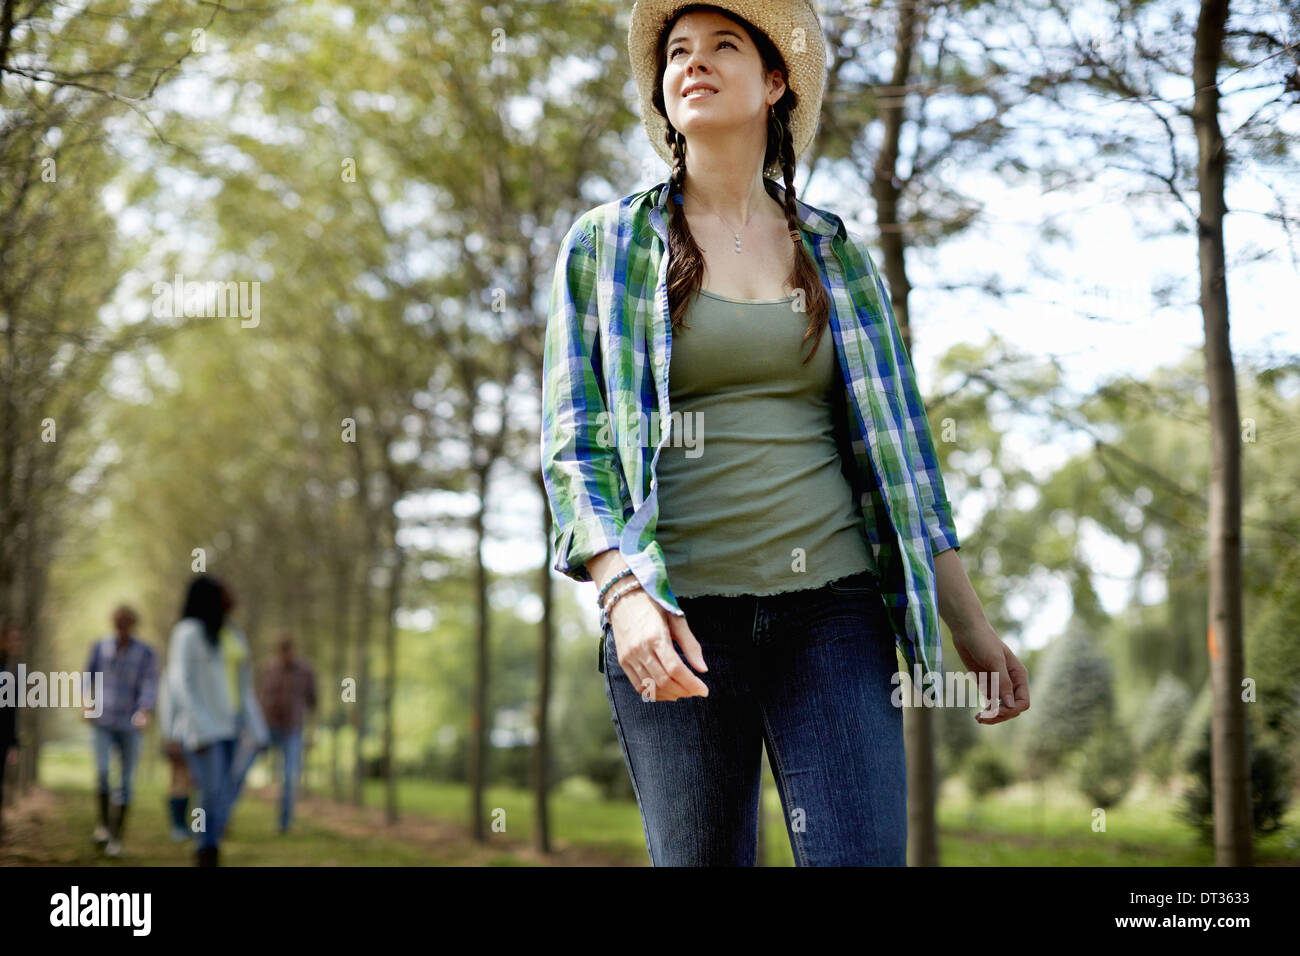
(803, 661)
(129, 688)
(286, 689)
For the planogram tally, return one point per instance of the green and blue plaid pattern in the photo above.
(606, 415)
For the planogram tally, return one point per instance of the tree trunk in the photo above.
(478, 708)
(362, 668)
(922, 784)
(918, 722)
(342, 589)
(1231, 776)
(390, 665)
(541, 752)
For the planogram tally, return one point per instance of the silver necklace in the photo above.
(728, 225)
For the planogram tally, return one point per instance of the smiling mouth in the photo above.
(697, 94)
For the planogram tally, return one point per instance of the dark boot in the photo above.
(100, 836)
(206, 856)
(119, 822)
(178, 807)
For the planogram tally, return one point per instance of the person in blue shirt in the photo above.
(129, 669)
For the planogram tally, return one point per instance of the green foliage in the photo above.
(1272, 658)
(987, 771)
(1073, 697)
(955, 732)
(1195, 726)
(1160, 722)
(1270, 788)
(1104, 767)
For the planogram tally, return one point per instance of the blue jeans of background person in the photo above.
(219, 771)
(211, 769)
(242, 759)
(289, 743)
(806, 674)
(127, 745)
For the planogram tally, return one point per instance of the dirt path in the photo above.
(444, 841)
(51, 827)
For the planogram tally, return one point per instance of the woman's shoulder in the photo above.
(600, 225)
(854, 241)
(185, 629)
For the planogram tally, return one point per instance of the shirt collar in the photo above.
(810, 218)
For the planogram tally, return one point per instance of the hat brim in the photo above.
(791, 25)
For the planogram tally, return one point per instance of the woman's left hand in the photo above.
(983, 652)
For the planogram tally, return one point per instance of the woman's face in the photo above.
(707, 48)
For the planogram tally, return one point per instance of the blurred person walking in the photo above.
(11, 648)
(130, 684)
(216, 715)
(287, 690)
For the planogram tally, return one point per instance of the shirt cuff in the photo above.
(940, 529)
(582, 541)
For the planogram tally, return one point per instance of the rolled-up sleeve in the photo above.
(580, 466)
(937, 510)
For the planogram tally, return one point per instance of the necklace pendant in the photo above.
(737, 235)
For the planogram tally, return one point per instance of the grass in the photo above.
(1052, 825)
(1025, 825)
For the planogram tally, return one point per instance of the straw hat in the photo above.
(791, 25)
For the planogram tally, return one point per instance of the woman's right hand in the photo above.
(643, 637)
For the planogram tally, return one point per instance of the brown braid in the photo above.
(685, 259)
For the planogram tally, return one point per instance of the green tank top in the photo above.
(752, 498)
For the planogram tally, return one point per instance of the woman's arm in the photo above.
(188, 700)
(580, 466)
(959, 605)
(978, 645)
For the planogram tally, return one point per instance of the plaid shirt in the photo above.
(130, 680)
(286, 692)
(605, 389)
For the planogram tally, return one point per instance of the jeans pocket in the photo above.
(608, 650)
(863, 582)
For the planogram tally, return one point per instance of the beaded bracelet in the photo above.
(613, 599)
(600, 598)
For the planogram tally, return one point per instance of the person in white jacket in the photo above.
(213, 707)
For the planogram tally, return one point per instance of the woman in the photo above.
(814, 532)
(215, 713)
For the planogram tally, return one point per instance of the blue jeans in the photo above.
(290, 744)
(127, 744)
(806, 674)
(219, 771)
